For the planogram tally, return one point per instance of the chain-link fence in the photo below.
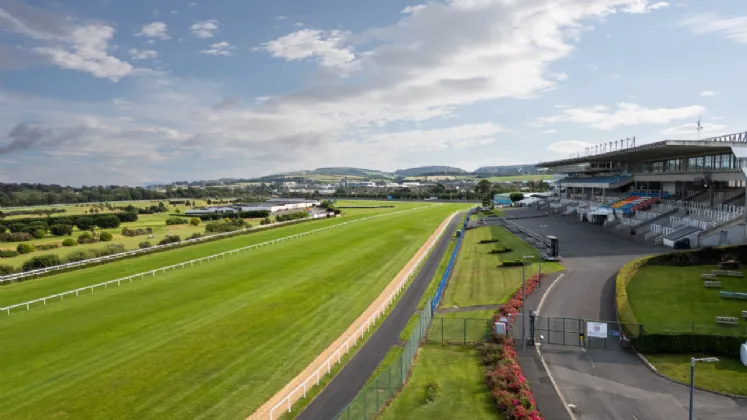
(458, 330)
(739, 329)
(381, 388)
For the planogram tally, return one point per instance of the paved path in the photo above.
(610, 384)
(346, 385)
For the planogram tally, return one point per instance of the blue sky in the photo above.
(115, 92)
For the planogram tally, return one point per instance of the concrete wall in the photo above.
(735, 236)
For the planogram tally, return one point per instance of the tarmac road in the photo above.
(350, 380)
(609, 384)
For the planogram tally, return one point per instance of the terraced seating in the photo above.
(729, 320)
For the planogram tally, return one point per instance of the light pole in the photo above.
(523, 302)
(693, 361)
(542, 248)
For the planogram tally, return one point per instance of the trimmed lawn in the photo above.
(477, 280)
(674, 299)
(461, 394)
(727, 375)
(211, 341)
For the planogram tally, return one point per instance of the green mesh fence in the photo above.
(379, 390)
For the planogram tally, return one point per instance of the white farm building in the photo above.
(274, 205)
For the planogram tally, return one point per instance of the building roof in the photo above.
(658, 150)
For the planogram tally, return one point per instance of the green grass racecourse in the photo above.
(211, 341)
(45, 286)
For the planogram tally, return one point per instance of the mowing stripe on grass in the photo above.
(191, 263)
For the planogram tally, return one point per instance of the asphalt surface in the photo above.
(609, 384)
(351, 379)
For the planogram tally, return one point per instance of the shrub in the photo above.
(84, 223)
(144, 244)
(39, 233)
(41, 261)
(47, 247)
(16, 237)
(69, 242)
(515, 263)
(715, 345)
(6, 269)
(517, 196)
(61, 230)
(226, 226)
(25, 248)
(133, 232)
(195, 221)
(502, 250)
(291, 216)
(76, 256)
(176, 221)
(170, 240)
(107, 250)
(105, 237)
(196, 235)
(85, 238)
(128, 216)
(489, 241)
(431, 392)
(265, 221)
(8, 253)
(107, 222)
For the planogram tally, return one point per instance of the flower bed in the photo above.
(503, 373)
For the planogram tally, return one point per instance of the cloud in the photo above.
(462, 136)
(549, 131)
(154, 30)
(708, 93)
(733, 28)
(205, 28)
(690, 131)
(219, 48)
(142, 54)
(626, 115)
(568, 146)
(67, 45)
(327, 47)
(644, 6)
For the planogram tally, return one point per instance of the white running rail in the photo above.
(313, 379)
(190, 263)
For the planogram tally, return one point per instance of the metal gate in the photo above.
(575, 332)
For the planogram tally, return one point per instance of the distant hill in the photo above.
(348, 172)
(505, 170)
(430, 170)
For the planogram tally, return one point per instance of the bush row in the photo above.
(51, 260)
(715, 345)
(30, 212)
(6, 269)
(291, 216)
(502, 250)
(489, 241)
(136, 232)
(176, 221)
(82, 222)
(226, 226)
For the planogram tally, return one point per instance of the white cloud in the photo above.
(708, 93)
(549, 131)
(413, 9)
(626, 115)
(468, 135)
(733, 28)
(568, 146)
(154, 30)
(644, 6)
(142, 54)
(67, 45)
(690, 131)
(205, 28)
(327, 47)
(220, 48)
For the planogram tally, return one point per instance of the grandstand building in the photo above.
(672, 192)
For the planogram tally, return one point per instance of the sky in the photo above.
(139, 91)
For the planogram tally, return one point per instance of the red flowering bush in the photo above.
(504, 377)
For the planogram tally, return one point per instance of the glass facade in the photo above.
(693, 164)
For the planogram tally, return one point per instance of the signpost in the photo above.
(596, 329)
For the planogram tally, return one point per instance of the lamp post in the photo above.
(693, 361)
(542, 248)
(523, 302)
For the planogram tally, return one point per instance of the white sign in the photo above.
(596, 329)
(743, 354)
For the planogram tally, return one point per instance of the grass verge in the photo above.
(447, 383)
(728, 375)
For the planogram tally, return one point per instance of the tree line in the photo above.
(16, 195)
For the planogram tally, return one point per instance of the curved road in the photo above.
(609, 384)
(350, 380)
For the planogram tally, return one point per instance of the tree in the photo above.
(483, 187)
(516, 196)
(105, 237)
(195, 221)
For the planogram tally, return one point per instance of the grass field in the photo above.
(461, 394)
(212, 341)
(674, 299)
(477, 280)
(727, 375)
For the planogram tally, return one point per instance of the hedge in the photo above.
(97, 220)
(625, 315)
(41, 261)
(25, 248)
(716, 345)
(105, 237)
(176, 221)
(69, 242)
(8, 253)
